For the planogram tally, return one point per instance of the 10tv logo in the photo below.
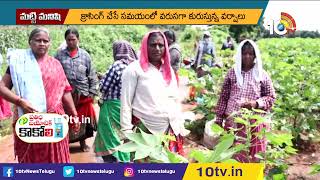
(283, 26)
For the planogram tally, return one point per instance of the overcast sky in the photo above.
(305, 13)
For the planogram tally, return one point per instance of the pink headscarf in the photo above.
(144, 61)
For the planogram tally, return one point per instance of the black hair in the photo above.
(170, 34)
(38, 30)
(71, 31)
(154, 34)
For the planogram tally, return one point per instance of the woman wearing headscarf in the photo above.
(149, 93)
(247, 85)
(175, 52)
(206, 52)
(40, 86)
(108, 135)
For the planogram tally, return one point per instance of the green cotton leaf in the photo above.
(224, 156)
(259, 120)
(256, 116)
(260, 134)
(241, 121)
(272, 138)
(216, 129)
(230, 152)
(313, 124)
(216, 71)
(259, 156)
(184, 72)
(200, 156)
(290, 150)
(308, 93)
(135, 137)
(239, 147)
(279, 139)
(168, 138)
(127, 147)
(160, 156)
(286, 138)
(176, 158)
(142, 153)
(315, 169)
(151, 139)
(259, 111)
(279, 176)
(225, 143)
(198, 86)
(278, 110)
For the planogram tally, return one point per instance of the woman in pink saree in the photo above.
(5, 109)
(56, 93)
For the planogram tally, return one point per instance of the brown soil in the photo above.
(299, 164)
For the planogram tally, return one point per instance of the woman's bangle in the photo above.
(18, 101)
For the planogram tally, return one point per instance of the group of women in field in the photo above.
(139, 92)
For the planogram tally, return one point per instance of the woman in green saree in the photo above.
(108, 134)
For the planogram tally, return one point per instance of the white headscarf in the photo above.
(257, 68)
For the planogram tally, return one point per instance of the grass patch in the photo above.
(5, 127)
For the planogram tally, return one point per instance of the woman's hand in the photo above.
(250, 104)
(76, 127)
(76, 124)
(76, 98)
(26, 106)
(200, 72)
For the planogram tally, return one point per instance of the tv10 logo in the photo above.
(283, 26)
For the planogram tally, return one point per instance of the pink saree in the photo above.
(55, 85)
(5, 109)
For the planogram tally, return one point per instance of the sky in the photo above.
(305, 13)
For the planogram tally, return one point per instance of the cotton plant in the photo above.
(150, 146)
(279, 145)
(222, 152)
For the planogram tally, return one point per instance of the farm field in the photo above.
(293, 64)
